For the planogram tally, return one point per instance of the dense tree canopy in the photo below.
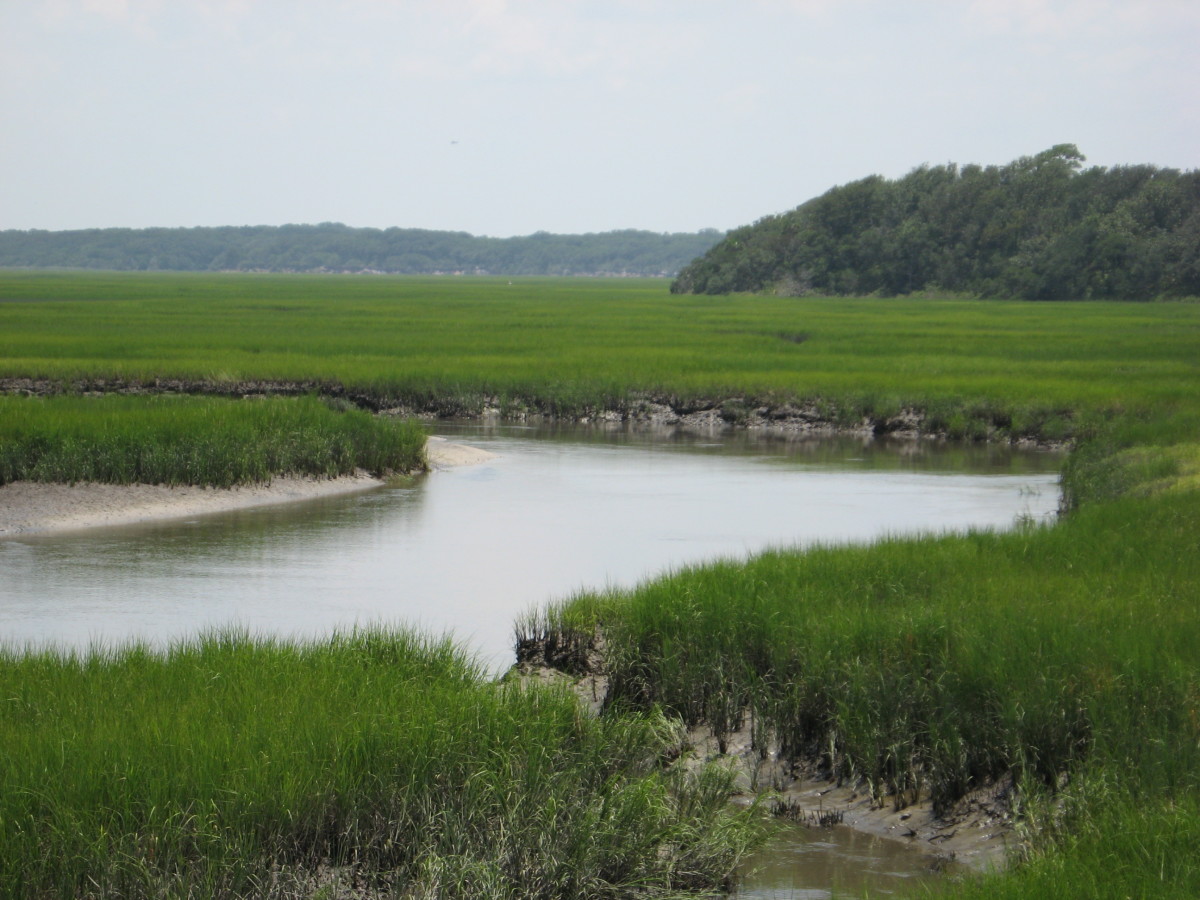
(332, 247)
(1041, 227)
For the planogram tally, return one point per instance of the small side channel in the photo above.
(808, 863)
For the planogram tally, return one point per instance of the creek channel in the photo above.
(464, 551)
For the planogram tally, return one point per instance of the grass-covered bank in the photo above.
(1066, 655)
(913, 665)
(196, 440)
(579, 346)
(230, 766)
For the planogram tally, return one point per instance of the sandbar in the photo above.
(28, 507)
(442, 454)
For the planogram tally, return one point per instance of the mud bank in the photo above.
(32, 508)
(978, 832)
(705, 415)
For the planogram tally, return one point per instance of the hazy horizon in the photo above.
(357, 227)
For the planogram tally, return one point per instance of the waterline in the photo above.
(465, 551)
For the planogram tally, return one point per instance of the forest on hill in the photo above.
(1038, 228)
(333, 247)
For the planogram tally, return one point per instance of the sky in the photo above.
(507, 117)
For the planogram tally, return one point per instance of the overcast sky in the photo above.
(505, 117)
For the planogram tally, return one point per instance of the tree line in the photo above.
(1038, 228)
(333, 247)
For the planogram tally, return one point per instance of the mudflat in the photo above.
(28, 507)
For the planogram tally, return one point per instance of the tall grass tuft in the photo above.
(234, 766)
(196, 440)
(930, 666)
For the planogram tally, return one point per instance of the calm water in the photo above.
(821, 863)
(467, 550)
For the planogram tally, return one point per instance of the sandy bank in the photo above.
(442, 454)
(29, 508)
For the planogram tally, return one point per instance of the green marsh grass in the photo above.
(1065, 654)
(578, 345)
(232, 766)
(911, 630)
(196, 440)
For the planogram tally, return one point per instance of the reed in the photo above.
(196, 440)
(232, 766)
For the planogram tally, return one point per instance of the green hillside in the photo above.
(1039, 228)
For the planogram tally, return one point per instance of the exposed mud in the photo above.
(701, 415)
(977, 832)
(576, 661)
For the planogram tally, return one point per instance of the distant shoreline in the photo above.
(333, 248)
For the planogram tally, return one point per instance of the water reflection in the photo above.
(467, 550)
